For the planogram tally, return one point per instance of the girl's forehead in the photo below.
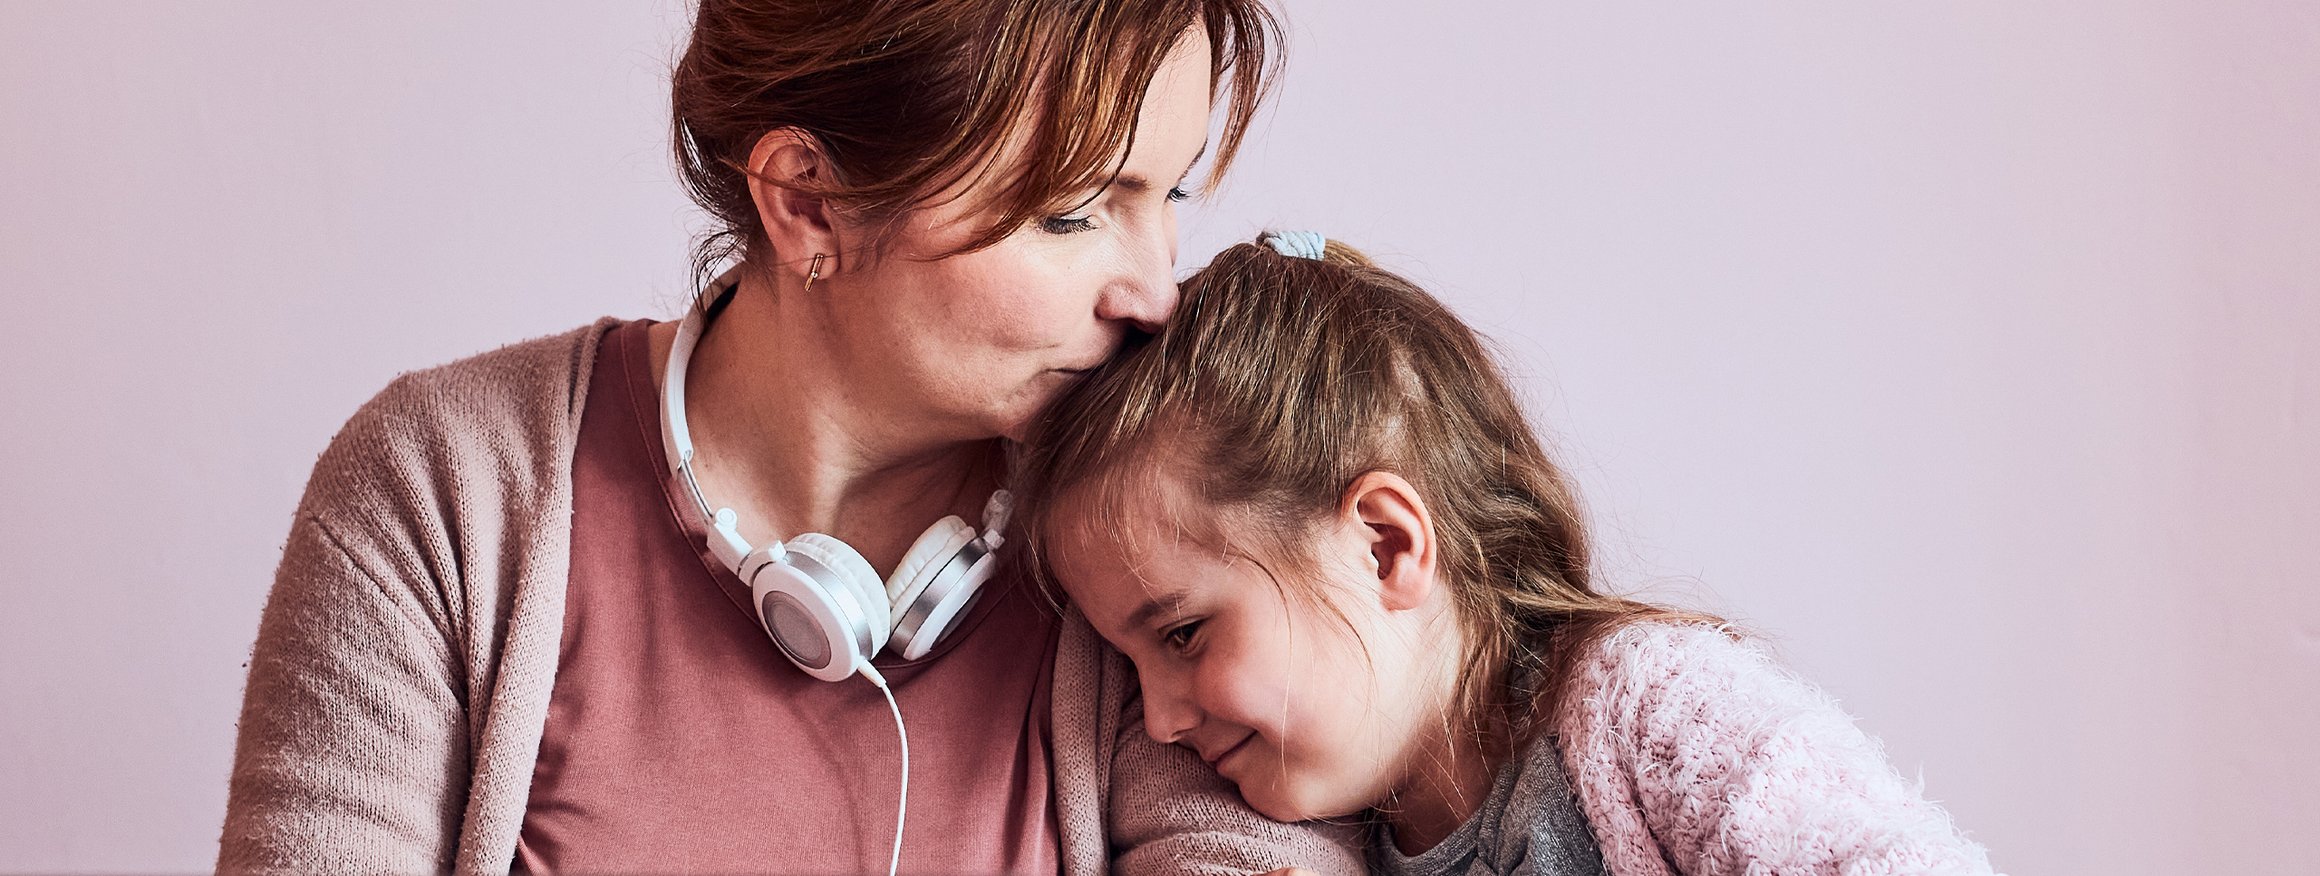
(1134, 512)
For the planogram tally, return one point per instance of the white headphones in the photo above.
(817, 597)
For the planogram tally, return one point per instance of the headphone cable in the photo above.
(901, 806)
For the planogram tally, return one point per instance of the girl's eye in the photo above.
(1067, 224)
(1179, 195)
(1182, 636)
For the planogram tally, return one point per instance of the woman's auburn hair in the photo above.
(1281, 380)
(908, 98)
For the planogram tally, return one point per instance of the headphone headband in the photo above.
(677, 436)
(933, 609)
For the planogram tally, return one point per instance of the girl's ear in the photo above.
(1388, 515)
(785, 170)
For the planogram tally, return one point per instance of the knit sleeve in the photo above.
(352, 750)
(1699, 752)
(1160, 809)
(1172, 814)
(406, 653)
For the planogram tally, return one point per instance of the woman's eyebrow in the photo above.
(1195, 162)
(1137, 184)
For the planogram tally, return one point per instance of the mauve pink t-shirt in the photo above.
(680, 740)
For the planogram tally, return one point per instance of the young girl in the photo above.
(1311, 513)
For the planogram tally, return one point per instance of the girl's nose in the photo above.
(1168, 714)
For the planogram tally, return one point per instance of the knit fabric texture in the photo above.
(1698, 754)
(1529, 825)
(400, 680)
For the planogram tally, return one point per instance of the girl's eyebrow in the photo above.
(1154, 605)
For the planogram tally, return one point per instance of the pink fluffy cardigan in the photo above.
(1694, 753)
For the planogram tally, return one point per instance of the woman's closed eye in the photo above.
(1068, 224)
(1073, 223)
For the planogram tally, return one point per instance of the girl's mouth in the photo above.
(1222, 756)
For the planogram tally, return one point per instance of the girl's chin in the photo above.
(1277, 810)
(1285, 804)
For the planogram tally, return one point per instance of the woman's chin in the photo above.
(1018, 431)
(1019, 416)
(1019, 421)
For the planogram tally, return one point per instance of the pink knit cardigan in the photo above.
(1694, 753)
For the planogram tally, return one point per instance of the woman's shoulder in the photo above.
(498, 419)
(542, 378)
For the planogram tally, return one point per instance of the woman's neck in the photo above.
(790, 450)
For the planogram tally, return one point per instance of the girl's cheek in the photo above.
(1249, 689)
(1213, 684)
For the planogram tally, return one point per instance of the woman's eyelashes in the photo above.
(1073, 223)
(1069, 224)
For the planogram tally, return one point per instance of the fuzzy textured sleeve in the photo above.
(1697, 754)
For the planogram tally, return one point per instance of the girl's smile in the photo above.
(1312, 682)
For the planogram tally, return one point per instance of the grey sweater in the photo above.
(400, 680)
(1530, 825)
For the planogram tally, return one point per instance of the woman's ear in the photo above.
(1388, 514)
(787, 172)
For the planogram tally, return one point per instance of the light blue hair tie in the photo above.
(1298, 244)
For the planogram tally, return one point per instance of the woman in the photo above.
(510, 631)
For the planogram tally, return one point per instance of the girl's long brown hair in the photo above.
(1281, 380)
(908, 98)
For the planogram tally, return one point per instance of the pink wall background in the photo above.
(1971, 349)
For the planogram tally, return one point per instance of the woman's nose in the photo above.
(1144, 292)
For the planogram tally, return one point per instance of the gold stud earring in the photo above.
(813, 272)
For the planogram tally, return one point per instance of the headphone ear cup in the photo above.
(937, 595)
(925, 558)
(811, 618)
(855, 580)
